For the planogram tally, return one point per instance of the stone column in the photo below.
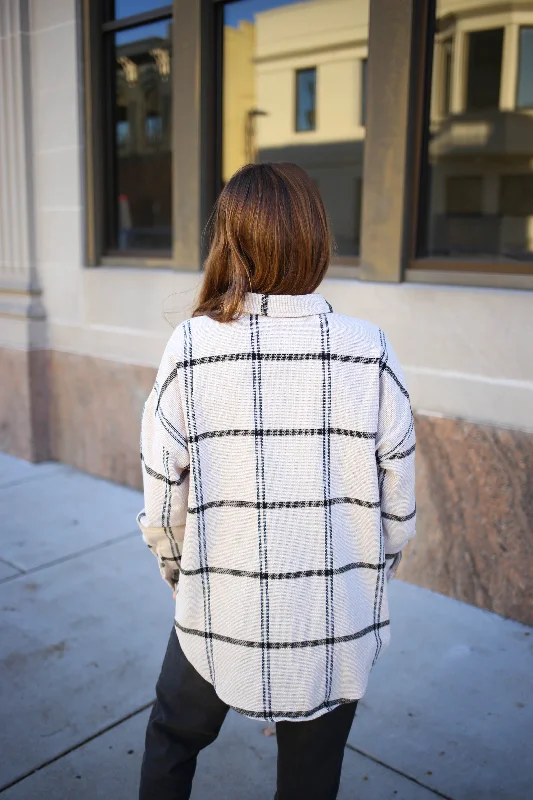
(459, 73)
(23, 355)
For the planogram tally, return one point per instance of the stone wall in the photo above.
(475, 515)
(24, 403)
(95, 415)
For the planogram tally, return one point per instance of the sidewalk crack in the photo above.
(406, 775)
(69, 750)
(70, 557)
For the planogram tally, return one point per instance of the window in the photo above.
(131, 134)
(272, 61)
(139, 152)
(306, 99)
(363, 91)
(516, 196)
(524, 97)
(485, 50)
(464, 195)
(474, 207)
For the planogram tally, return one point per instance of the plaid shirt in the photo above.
(278, 463)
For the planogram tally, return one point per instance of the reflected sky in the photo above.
(155, 30)
(246, 9)
(126, 8)
(233, 12)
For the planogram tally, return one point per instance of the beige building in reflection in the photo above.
(331, 37)
(481, 142)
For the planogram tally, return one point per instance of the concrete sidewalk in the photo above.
(449, 711)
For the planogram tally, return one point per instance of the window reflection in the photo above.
(143, 138)
(447, 51)
(484, 69)
(525, 69)
(305, 99)
(481, 131)
(294, 89)
(128, 8)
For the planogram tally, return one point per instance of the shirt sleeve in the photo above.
(165, 469)
(395, 454)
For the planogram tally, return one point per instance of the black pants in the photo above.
(188, 715)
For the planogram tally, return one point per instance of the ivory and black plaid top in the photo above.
(278, 462)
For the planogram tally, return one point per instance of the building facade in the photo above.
(119, 123)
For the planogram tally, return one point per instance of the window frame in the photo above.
(194, 125)
(477, 271)
(399, 59)
(197, 77)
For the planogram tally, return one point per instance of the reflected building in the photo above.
(303, 66)
(295, 88)
(239, 97)
(143, 147)
(481, 130)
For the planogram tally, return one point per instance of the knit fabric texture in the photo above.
(278, 464)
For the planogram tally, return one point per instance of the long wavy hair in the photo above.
(269, 233)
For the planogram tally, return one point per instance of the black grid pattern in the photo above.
(201, 530)
(232, 515)
(261, 508)
(326, 472)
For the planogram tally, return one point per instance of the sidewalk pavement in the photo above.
(449, 711)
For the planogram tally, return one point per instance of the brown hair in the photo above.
(269, 234)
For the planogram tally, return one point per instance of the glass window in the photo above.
(516, 195)
(525, 69)
(485, 50)
(138, 128)
(464, 195)
(306, 99)
(299, 66)
(475, 200)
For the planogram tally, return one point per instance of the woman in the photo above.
(278, 462)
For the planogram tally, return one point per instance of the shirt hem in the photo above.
(275, 716)
(297, 716)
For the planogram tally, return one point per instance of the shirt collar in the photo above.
(286, 305)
